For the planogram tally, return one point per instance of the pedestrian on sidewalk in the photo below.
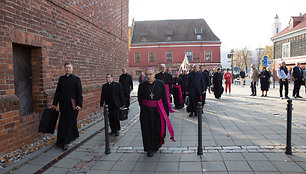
(154, 112)
(127, 85)
(142, 77)
(177, 91)
(184, 77)
(228, 81)
(69, 96)
(242, 77)
(196, 86)
(167, 79)
(297, 74)
(283, 76)
(217, 83)
(112, 95)
(264, 81)
(206, 78)
(254, 75)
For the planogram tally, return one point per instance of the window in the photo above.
(137, 57)
(208, 56)
(151, 57)
(199, 37)
(189, 55)
(286, 50)
(169, 56)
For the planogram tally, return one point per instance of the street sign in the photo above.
(264, 61)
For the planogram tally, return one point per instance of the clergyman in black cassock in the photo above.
(69, 96)
(195, 89)
(127, 84)
(177, 91)
(184, 77)
(112, 95)
(217, 82)
(153, 91)
(206, 78)
(167, 79)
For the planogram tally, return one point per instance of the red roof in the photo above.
(301, 24)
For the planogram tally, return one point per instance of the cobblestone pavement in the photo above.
(241, 134)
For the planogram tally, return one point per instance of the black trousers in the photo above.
(127, 97)
(114, 121)
(281, 85)
(297, 86)
(253, 87)
(203, 98)
(193, 103)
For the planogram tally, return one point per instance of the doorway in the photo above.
(23, 78)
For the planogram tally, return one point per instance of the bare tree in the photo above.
(242, 58)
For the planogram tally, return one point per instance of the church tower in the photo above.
(276, 26)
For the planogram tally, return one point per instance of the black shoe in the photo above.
(287, 97)
(65, 147)
(149, 154)
(265, 95)
(191, 114)
(262, 95)
(111, 133)
(117, 133)
(298, 96)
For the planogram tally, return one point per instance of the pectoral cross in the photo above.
(152, 95)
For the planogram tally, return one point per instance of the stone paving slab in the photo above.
(238, 137)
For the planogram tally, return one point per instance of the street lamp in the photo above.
(231, 55)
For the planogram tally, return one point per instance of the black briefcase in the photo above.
(123, 114)
(48, 121)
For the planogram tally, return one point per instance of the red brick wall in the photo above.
(93, 36)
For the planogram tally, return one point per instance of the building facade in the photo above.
(290, 44)
(168, 41)
(37, 38)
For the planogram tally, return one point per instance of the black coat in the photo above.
(264, 80)
(112, 94)
(126, 82)
(68, 87)
(196, 83)
(297, 74)
(167, 78)
(184, 82)
(206, 78)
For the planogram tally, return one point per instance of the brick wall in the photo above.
(297, 46)
(92, 35)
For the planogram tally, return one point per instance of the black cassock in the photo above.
(167, 78)
(127, 85)
(264, 80)
(149, 116)
(177, 81)
(206, 78)
(217, 82)
(184, 78)
(195, 89)
(68, 89)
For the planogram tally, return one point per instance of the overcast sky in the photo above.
(238, 23)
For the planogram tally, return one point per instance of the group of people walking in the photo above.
(154, 97)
